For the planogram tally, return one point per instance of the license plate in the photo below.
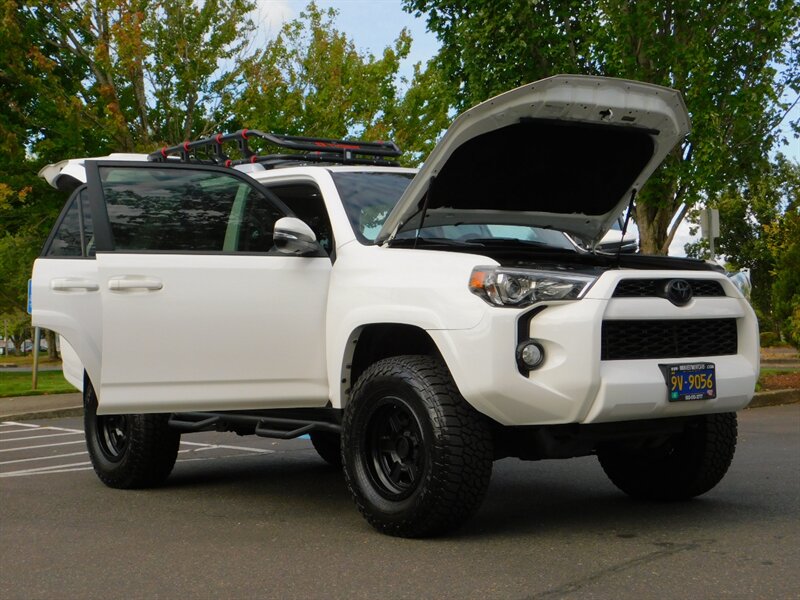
(690, 381)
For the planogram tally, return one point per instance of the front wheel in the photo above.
(678, 468)
(128, 451)
(328, 445)
(417, 457)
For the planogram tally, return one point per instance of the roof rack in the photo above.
(310, 150)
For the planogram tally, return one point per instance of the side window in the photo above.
(186, 210)
(74, 234)
(306, 202)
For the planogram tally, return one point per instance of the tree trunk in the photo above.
(653, 223)
(52, 351)
(657, 204)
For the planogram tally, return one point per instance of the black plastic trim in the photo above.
(61, 216)
(523, 334)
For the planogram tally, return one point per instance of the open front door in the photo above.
(199, 311)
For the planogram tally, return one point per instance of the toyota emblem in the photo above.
(679, 292)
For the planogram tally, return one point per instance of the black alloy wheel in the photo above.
(417, 458)
(128, 450)
(113, 435)
(397, 461)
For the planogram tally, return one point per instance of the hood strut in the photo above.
(625, 224)
(424, 209)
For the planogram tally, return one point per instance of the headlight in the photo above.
(523, 287)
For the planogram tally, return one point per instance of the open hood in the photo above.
(564, 153)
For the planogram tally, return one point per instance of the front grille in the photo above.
(648, 288)
(626, 340)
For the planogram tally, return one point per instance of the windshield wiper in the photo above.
(433, 242)
(510, 242)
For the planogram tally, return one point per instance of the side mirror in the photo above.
(293, 236)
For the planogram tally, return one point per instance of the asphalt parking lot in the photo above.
(257, 518)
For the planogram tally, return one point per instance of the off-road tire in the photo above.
(417, 457)
(684, 466)
(329, 447)
(128, 451)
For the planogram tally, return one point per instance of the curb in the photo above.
(775, 398)
(59, 413)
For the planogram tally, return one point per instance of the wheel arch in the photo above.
(375, 341)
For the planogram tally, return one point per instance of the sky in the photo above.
(375, 24)
(372, 24)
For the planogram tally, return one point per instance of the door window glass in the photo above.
(186, 210)
(306, 202)
(74, 234)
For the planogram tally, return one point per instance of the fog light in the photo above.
(529, 355)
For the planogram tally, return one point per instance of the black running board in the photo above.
(250, 424)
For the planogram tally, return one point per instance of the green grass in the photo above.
(26, 360)
(19, 384)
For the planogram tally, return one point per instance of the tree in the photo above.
(760, 231)
(734, 61)
(89, 77)
(154, 66)
(312, 80)
(784, 238)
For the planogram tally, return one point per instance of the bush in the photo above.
(792, 326)
(770, 338)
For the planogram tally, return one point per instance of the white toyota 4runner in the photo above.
(417, 325)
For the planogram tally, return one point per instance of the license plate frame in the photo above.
(687, 382)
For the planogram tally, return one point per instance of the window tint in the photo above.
(306, 202)
(186, 210)
(74, 235)
(368, 199)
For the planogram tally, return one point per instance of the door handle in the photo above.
(131, 283)
(71, 284)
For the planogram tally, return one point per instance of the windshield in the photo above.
(369, 197)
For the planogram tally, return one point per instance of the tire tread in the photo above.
(462, 466)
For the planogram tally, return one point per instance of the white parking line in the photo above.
(38, 437)
(81, 466)
(22, 460)
(223, 446)
(34, 426)
(44, 431)
(201, 458)
(41, 446)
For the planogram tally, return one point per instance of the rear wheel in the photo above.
(678, 468)
(128, 451)
(417, 457)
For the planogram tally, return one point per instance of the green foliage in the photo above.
(90, 77)
(152, 67)
(769, 338)
(760, 231)
(27, 210)
(17, 325)
(312, 79)
(785, 245)
(187, 44)
(733, 61)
